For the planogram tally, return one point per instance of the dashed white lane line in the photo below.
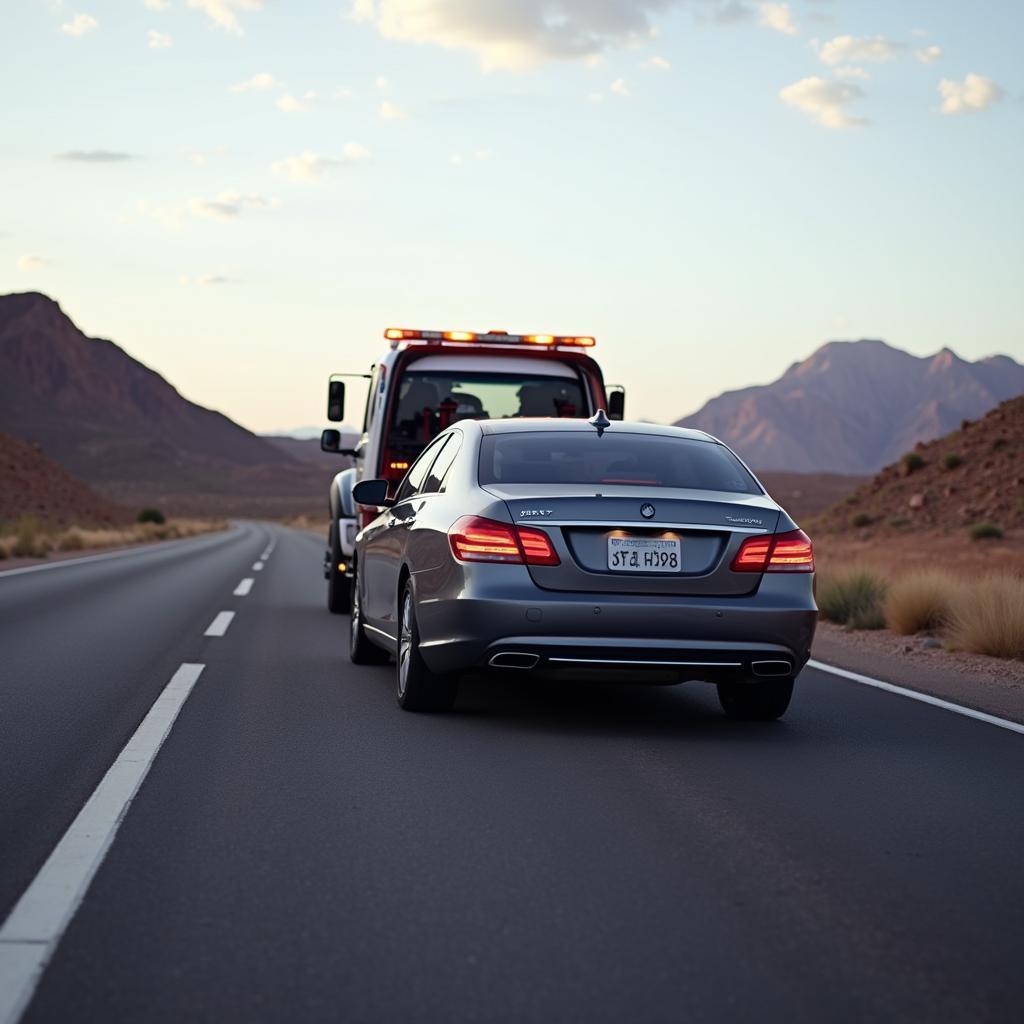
(29, 936)
(244, 587)
(924, 698)
(220, 624)
(257, 566)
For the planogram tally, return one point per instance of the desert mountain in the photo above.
(122, 428)
(854, 407)
(973, 475)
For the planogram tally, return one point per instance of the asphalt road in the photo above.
(303, 850)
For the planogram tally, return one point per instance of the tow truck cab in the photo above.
(431, 379)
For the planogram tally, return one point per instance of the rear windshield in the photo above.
(650, 460)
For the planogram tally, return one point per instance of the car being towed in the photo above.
(609, 550)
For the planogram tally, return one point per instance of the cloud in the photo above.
(159, 40)
(381, 82)
(158, 5)
(974, 93)
(620, 87)
(778, 17)
(659, 64)
(307, 168)
(33, 262)
(222, 12)
(825, 100)
(854, 49)
(201, 157)
(258, 83)
(850, 72)
(95, 156)
(477, 156)
(79, 25)
(392, 111)
(514, 33)
(207, 280)
(225, 207)
(296, 105)
(929, 55)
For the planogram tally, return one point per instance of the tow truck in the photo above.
(431, 379)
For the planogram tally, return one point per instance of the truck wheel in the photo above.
(361, 650)
(339, 587)
(761, 701)
(418, 689)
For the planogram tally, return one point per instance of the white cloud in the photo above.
(514, 33)
(79, 25)
(158, 5)
(159, 40)
(854, 49)
(381, 82)
(850, 72)
(659, 64)
(207, 280)
(392, 111)
(825, 100)
(778, 17)
(974, 93)
(929, 55)
(620, 87)
(296, 105)
(223, 12)
(201, 157)
(258, 83)
(33, 262)
(95, 156)
(307, 168)
(343, 93)
(225, 207)
(477, 156)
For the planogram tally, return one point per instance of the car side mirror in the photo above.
(336, 401)
(616, 402)
(330, 441)
(372, 492)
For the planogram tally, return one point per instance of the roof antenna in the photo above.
(600, 421)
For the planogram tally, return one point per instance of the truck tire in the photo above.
(339, 587)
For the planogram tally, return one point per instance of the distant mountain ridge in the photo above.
(121, 427)
(856, 406)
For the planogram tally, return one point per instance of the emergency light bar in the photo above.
(397, 334)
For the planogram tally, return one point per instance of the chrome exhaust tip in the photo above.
(514, 659)
(771, 668)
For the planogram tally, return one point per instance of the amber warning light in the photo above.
(397, 334)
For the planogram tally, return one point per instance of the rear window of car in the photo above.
(649, 460)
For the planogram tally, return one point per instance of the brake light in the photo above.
(476, 539)
(783, 552)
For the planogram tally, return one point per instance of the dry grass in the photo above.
(28, 538)
(920, 600)
(987, 617)
(853, 597)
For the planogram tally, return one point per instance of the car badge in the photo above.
(647, 510)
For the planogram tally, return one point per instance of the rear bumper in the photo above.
(621, 635)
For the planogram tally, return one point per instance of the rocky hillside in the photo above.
(122, 428)
(854, 407)
(33, 485)
(972, 476)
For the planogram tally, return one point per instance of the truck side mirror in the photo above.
(336, 401)
(616, 402)
(330, 441)
(372, 492)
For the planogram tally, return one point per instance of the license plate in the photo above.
(643, 554)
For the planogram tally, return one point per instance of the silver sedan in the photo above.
(614, 551)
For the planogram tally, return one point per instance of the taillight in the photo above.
(476, 539)
(783, 552)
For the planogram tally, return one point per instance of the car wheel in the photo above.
(760, 701)
(361, 649)
(417, 688)
(339, 587)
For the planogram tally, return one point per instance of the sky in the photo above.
(245, 193)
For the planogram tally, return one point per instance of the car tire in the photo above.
(416, 687)
(339, 586)
(361, 650)
(762, 700)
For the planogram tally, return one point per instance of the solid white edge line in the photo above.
(220, 624)
(29, 936)
(257, 566)
(924, 698)
(244, 587)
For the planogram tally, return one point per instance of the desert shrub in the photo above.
(152, 515)
(899, 522)
(861, 519)
(72, 539)
(986, 531)
(988, 618)
(1000, 442)
(919, 601)
(29, 539)
(853, 597)
(852, 499)
(952, 459)
(912, 462)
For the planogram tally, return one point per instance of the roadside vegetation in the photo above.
(31, 538)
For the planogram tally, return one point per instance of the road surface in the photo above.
(302, 850)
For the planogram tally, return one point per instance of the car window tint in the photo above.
(435, 479)
(418, 471)
(650, 460)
